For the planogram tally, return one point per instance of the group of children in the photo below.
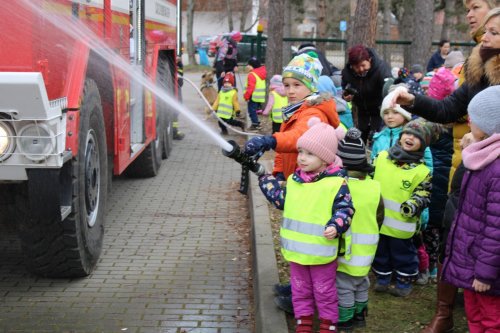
(345, 215)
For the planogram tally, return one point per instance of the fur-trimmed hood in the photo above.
(475, 69)
(318, 98)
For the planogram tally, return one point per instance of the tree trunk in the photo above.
(321, 25)
(189, 32)
(449, 17)
(287, 32)
(407, 28)
(246, 9)
(386, 30)
(229, 15)
(364, 27)
(423, 22)
(276, 18)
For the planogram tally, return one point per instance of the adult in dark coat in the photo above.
(437, 59)
(363, 79)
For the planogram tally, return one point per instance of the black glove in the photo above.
(259, 143)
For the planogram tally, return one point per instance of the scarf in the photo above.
(309, 177)
(226, 89)
(480, 154)
(289, 110)
(487, 52)
(398, 154)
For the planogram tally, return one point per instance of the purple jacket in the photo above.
(473, 249)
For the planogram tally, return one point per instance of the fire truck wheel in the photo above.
(168, 134)
(68, 248)
(148, 163)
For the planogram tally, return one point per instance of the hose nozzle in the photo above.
(245, 160)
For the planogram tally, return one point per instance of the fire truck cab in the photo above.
(72, 116)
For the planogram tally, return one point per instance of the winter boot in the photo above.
(327, 326)
(401, 290)
(346, 315)
(178, 135)
(304, 325)
(360, 314)
(382, 283)
(443, 319)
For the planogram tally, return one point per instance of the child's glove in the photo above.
(259, 143)
(408, 208)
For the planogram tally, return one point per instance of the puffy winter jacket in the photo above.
(321, 106)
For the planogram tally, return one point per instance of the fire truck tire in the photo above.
(148, 163)
(71, 248)
(168, 134)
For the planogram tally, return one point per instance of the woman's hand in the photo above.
(479, 286)
(401, 96)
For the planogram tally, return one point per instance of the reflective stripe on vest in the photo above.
(362, 237)
(308, 206)
(397, 187)
(225, 108)
(259, 91)
(279, 103)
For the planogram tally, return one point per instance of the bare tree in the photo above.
(321, 25)
(449, 19)
(274, 59)
(386, 29)
(246, 9)
(229, 15)
(287, 32)
(189, 32)
(364, 27)
(423, 19)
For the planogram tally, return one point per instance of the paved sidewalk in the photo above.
(177, 256)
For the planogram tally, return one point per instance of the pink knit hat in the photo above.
(442, 84)
(321, 139)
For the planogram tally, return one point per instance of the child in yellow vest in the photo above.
(317, 211)
(226, 105)
(406, 184)
(255, 90)
(361, 239)
(276, 101)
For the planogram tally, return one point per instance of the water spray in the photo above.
(248, 163)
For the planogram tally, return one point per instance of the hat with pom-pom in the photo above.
(352, 151)
(304, 68)
(276, 81)
(321, 139)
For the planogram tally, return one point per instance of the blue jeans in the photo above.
(252, 111)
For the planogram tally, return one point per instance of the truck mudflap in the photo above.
(32, 128)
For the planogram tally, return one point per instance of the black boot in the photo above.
(178, 135)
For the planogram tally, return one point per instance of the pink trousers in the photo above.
(314, 286)
(482, 311)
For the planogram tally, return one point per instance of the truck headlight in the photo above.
(7, 142)
(36, 142)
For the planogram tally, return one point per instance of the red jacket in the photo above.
(323, 107)
(261, 73)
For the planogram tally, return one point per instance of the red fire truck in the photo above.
(70, 119)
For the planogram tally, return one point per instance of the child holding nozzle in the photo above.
(317, 210)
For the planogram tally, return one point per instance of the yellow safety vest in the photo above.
(259, 92)
(397, 187)
(279, 103)
(361, 238)
(225, 109)
(308, 207)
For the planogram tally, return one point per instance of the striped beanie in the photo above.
(352, 151)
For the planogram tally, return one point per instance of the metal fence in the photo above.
(391, 51)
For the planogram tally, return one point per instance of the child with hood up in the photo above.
(276, 101)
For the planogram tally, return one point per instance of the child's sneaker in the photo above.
(280, 289)
(433, 275)
(401, 291)
(423, 278)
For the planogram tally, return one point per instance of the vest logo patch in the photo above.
(405, 184)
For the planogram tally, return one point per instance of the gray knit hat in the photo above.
(453, 58)
(484, 110)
